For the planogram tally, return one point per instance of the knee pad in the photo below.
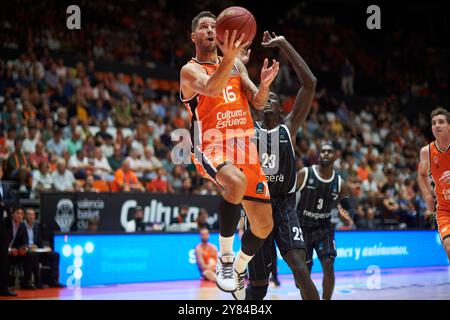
(256, 292)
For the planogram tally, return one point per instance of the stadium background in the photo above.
(122, 67)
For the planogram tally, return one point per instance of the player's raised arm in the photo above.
(194, 79)
(423, 179)
(307, 79)
(258, 96)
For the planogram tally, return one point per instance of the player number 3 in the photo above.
(320, 204)
(228, 94)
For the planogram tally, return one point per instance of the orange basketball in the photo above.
(236, 18)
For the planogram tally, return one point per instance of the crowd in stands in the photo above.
(73, 128)
(412, 64)
(54, 139)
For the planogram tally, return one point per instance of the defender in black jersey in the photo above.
(276, 143)
(321, 188)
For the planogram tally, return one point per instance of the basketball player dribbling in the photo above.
(217, 92)
(435, 164)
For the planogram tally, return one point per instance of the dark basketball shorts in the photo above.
(320, 239)
(286, 233)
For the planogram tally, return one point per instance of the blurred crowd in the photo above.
(411, 64)
(64, 129)
(70, 128)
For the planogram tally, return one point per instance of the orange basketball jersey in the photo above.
(439, 163)
(209, 252)
(229, 112)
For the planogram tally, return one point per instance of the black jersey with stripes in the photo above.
(277, 158)
(316, 197)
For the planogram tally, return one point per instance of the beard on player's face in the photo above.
(205, 42)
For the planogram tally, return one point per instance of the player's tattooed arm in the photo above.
(306, 78)
(257, 96)
(423, 179)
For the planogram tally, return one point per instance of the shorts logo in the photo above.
(311, 181)
(260, 188)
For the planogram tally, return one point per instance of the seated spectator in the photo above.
(56, 144)
(20, 253)
(202, 219)
(79, 165)
(102, 169)
(182, 215)
(68, 131)
(206, 256)
(108, 147)
(125, 179)
(160, 183)
(365, 215)
(99, 113)
(137, 224)
(89, 184)
(116, 160)
(369, 187)
(122, 113)
(42, 180)
(186, 187)
(63, 179)
(29, 144)
(17, 161)
(102, 135)
(38, 156)
(176, 178)
(85, 130)
(136, 163)
(74, 143)
(150, 163)
(35, 241)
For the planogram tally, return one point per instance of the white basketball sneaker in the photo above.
(225, 273)
(239, 294)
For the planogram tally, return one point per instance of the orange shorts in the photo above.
(239, 152)
(443, 222)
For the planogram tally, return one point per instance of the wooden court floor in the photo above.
(431, 283)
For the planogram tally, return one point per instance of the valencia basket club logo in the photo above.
(65, 215)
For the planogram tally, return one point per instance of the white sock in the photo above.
(242, 261)
(226, 245)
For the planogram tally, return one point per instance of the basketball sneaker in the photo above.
(239, 294)
(224, 273)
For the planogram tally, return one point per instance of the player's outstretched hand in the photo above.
(445, 178)
(231, 47)
(269, 74)
(271, 41)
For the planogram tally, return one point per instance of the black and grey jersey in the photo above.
(316, 197)
(277, 158)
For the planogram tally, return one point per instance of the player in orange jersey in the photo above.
(435, 164)
(206, 254)
(217, 92)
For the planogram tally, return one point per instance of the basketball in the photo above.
(236, 18)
